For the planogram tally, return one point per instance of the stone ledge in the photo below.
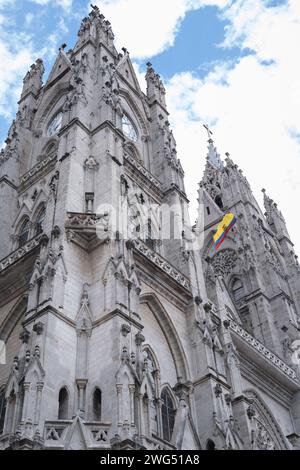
(265, 352)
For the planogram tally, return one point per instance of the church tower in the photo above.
(122, 330)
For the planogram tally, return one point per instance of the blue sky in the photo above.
(233, 64)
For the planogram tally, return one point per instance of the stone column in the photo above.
(26, 398)
(131, 393)
(39, 389)
(120, 408)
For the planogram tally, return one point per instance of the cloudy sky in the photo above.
(234, 64)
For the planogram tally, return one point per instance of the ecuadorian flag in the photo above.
(224, 227)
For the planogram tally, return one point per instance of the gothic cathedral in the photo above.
(130, 337)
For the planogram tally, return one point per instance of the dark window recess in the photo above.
(89, 202)
(40, 221)
(208, 210)
(168, 415)
(210, 445)
(237, 289)
(219, 202)
(24, 233)
(2, 410)
(97, 399)
(63, 404)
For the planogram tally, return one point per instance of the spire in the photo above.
(213, 157)
(96, 27)
(155, 87)
(271, 207)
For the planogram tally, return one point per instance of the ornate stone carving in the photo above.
(224, 262)
(258, 346)
(160, 262)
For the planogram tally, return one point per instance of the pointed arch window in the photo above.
(129, 129)
(12, 399)
(219, 202)
(24, 233)
(97, 404)
(2, 410)
(210, 445)
(238, 290)
(168, 415)
(63, 404)
(40, 221)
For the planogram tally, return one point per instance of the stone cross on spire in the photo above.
(213, 157)
(209, 132)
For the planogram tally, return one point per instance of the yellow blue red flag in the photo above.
(224, 227)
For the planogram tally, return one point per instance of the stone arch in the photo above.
(146, 347)
(50, 104)
(264, 413)
(63, 403)
(36, 217)
(14, 316)
(135, 110)
(50, 147)
(171, 335)
(132, 150)
(96, 402)
(168, 411)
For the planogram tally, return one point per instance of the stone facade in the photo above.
(142, 341)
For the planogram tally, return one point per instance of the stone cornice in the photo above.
(19, 253)
(265, 382)
(5, 179)
(162, 264)
(136, 169)
(178, 190)
(263, 351)
(40, 168)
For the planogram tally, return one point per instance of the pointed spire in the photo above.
(155, 87)
(271, 206)
(212, 156)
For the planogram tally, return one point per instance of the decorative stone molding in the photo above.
(142, 174)
(161, 263)
(56, 434)
(223, 262)
(46, 163)
(271, 357)
(85, 221)
(19, 253)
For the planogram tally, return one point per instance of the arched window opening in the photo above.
(97, 403)
(219, 202)
(129, 129)
(11, 411)
(210, 445)
(168, 415)
(2, 410)
(237, 289)
(40, 221)
(24, 233)
(63, 404)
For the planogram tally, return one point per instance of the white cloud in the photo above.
(149, 27)
(29, 17)
(254, 107)
(65, 4)
(16, 54)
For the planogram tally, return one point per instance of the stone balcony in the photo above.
(88, 230)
